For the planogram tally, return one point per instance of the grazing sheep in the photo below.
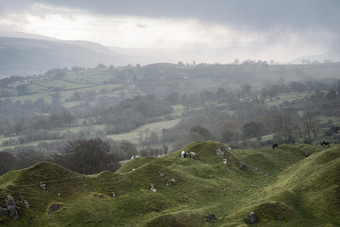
(324, 143)
(193, 155)
(184, 154)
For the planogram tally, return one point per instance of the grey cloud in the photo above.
(266, 16)
(259, 14)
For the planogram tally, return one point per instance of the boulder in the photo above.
(42, 186)
(13, 209)
(242, 166)
(27, 204)
(210, 217)
(279, 217)
(171, 182)
(219, 152)
(152, 188)
(251, 218)
(227, 148)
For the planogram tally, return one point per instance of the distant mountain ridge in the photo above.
(27, 56)
(332, 56)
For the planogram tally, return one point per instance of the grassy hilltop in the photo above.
(282, 187)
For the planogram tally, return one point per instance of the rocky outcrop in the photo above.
(10, 208)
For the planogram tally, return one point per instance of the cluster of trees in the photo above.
(22, 157)
(30, 117)
(294, 86)
(131, 113)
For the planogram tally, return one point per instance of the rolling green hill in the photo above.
(282, 187)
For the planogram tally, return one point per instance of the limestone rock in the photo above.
(42, 186)
(152, 188)
(251, 218)
(13, 209)
(227, 148)
(219, 152)
(242, 166)
(27, 204)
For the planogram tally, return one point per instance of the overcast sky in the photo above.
(254, 29)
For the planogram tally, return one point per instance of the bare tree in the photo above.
(88, 156)
(311, 124)
(282, 124)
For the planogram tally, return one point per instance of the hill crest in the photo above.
(282, 186)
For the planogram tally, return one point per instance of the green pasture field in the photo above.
(76, 129)
(276, 101)
(33, 144)
(90, 76)
(34, 97)
(2, 138)
(35, 88)
(133, 136)
(64, 84)
(264, 137)
(179, 110)
(64, 94)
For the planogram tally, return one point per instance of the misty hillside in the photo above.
(325, 57)
(23, 56)
(288, 186)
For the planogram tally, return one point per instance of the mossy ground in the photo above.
(282, 186)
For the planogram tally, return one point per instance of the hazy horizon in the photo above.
(212, 32)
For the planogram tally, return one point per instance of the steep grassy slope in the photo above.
(282, 186)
